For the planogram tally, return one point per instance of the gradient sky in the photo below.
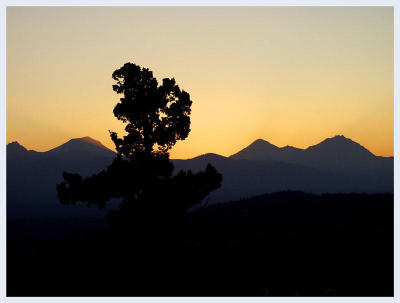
(289, 75)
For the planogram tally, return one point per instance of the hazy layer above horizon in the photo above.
(292, 75)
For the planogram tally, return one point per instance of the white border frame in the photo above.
(3, 6)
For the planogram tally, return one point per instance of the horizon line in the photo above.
(259, 139)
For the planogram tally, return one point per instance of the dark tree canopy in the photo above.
(156, 116)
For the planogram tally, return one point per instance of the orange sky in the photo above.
(289, 75)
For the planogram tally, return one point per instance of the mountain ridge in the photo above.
(337, 139)
(331, 153)
(256, 144)
(82, 144)
(32, 176)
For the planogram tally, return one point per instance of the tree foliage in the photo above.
(156, 116)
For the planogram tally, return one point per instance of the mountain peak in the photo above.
(338, 139)
(259, 148)
(340, 144)
(80, 145)
(210, 156)
(15, 147)
(261, 142)
(90, 140)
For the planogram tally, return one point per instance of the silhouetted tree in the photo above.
(156, 116)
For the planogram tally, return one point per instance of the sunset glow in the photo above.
(289, 75)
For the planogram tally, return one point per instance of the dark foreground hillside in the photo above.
(282, 244)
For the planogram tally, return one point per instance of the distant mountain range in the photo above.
(338, 152)
(32, 177)
(79, 147)
(336, 164)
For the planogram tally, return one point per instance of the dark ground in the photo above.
(283, 244)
